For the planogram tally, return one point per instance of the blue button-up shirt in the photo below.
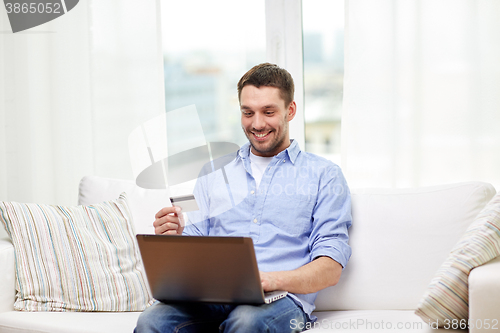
(301, 210)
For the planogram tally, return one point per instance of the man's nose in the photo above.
(259, 122)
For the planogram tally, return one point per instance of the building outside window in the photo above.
(323, 42)
(205, 55)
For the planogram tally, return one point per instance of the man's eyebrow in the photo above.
(269, 106)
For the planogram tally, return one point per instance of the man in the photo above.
(295, 205)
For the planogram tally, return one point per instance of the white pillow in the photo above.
(144, 203)
(81, 258)
(447, 297)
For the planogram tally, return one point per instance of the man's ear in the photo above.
(291, 110)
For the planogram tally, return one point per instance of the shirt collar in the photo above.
(292, 151)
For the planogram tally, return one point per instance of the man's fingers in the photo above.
(167, 210)
(166, 218)
(164, 211)
(268, 281)
(169, 221)
(163, 227)
(162, 230)
(161, 221)
(171, 226)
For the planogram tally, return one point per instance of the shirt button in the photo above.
(283, 161)
(252, 192)
(254, 220)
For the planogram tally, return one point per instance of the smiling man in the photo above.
(265, 117)
(294, 205)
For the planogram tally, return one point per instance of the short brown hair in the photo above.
(269, 75)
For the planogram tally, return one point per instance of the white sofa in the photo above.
(399, 237)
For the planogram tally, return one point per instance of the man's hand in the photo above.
(318, 274)
(269, 281)
(169, 221)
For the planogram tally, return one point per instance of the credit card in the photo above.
(186, 202)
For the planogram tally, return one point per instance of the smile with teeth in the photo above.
(261, 136)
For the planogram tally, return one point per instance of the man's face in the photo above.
(264, 119)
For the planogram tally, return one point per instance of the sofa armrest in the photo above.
(7, 276)
(484, 297)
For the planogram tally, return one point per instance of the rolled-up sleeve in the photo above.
(332, 218)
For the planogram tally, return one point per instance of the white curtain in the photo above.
(71, 91)
(421, 92)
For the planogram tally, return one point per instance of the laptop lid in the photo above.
(201, 269)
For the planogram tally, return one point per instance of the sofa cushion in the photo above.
(399, 239)
(330, 321)
(68, 322)
(144, 203)
(447, 295)
(7, 284)
(3, 234)
(82, 258)
(373, 321)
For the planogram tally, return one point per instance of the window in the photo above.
(207, 47)
(323, 40)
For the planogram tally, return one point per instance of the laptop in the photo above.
(203, 269)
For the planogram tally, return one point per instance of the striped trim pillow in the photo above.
(82, 258)
(447, 295)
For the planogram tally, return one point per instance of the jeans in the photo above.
(202, 317)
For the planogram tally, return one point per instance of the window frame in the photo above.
(284, 47)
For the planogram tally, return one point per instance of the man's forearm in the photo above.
(312, 277)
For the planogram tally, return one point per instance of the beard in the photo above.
(269, 148)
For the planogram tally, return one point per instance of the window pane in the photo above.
(323, 36)
(207, 47)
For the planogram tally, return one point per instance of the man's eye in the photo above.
(269, 113)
